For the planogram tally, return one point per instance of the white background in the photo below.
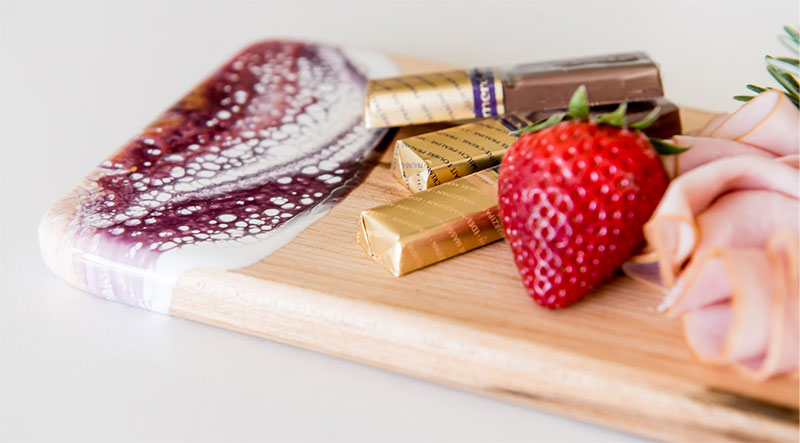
(79, 78)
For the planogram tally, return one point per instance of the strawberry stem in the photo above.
(541, 124)
(578, 108)
(665, 148)
(648, 119)
(616, 118)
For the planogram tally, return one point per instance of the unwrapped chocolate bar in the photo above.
(433, 225)
(480, 93)
(428, 160)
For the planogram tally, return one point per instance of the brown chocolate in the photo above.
(608, 79)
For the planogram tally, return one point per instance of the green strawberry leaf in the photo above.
(743, 98)
(616, 118)
(541, 124)
(665, 148)
(578, 108)
(648, 119)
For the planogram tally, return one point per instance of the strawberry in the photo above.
(573, 198)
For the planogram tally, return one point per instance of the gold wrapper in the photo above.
(433, 225)
(428, 160)
(428, 98)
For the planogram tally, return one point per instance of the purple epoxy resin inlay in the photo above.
(224, 177)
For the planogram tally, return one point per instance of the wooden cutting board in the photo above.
(468, 323)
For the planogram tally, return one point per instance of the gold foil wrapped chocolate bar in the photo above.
(479, 93)
(428, 160)
(441, 96)
(433, 225)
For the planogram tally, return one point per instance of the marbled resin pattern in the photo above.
(231, 172)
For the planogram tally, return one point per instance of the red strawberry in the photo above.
(573, 199)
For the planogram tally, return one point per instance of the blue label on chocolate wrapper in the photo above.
(513, 122)
(483, 92)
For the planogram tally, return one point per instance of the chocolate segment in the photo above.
(608, 79)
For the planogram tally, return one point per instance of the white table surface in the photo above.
(79, 78)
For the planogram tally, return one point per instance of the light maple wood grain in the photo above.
(468, 323)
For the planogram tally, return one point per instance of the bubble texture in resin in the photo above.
(228, 174)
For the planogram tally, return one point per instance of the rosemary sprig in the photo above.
(782, 69)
